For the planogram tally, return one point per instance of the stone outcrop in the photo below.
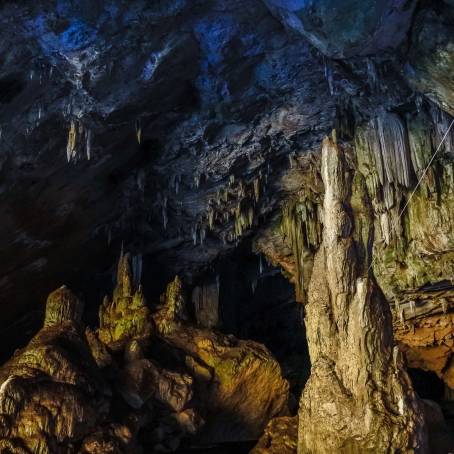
(172, 311)
(52, 395)
(126, 316)
(280, 437)
(141, 380)
(431, 58)
(358, 397)
(424, 330)
(238, 384)
(352, 28)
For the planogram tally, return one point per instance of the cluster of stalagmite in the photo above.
(358, 397)
(52, 394)
(74, 389)
(126, 316)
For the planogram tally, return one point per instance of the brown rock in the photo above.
(142, 380)
(280, 437)
(126, 316)
(358, 397)
(239, 385)
(51, 392)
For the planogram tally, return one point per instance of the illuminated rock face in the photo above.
(52, 394)
(239, 385)
(127, 316)
(70, 386)
(355, 372)
(423, 327)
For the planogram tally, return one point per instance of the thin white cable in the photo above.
(394, 227)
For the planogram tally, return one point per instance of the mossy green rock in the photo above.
(127, 315)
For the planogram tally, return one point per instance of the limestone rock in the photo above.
(431, 58)
(238, 384)
(349, 28)
(172, 311)
(98, 350)
(141, 380)
(51, 392)
(63, 306)
(126, 316)
(205, 299)
(355, 373)
(423, 327)
(113, 439)
(280, 437)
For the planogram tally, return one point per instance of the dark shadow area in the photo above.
(427, 384)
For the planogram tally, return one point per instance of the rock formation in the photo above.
(280, 437)
(190, 132)
(423, 328)
(358, 397)
(52, 395)
(239, 386)
(126, 317)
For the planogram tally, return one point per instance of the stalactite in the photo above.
(202, 232)
(210, 217)
(253, 285)
(372, 73)
(197, 178)
(72, 141)
(442, 121)
(141, 180)
(88, 144)
(138, 126)
(329, 78)
(301, 226)
(137, 270)
(394, 149)
(257, 189)
(164, 213)
(194, 234)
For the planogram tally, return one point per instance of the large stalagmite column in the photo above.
(359, 398)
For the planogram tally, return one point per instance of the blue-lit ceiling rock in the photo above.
(348, 28)
(431, 60)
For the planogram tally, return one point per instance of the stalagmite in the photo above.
(357, 400)
(137, 270)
